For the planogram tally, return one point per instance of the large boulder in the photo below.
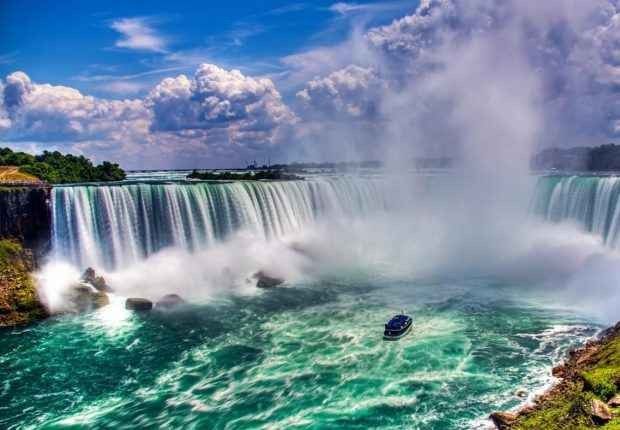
(84, 298)
(599, 411)
(169, 301)
(138, 304)
(98, 282)
(263, 280)
(503, 420)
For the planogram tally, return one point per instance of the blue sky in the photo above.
(76, 43)
(191, 84)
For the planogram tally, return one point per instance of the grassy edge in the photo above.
(591, 372)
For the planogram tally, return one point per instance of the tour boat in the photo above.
(397, 327)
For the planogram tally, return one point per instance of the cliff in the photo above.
(19, 303)
(25, 215)
(25, 232)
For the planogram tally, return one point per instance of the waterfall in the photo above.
(116, 225)
(590, 201)
(112, 226)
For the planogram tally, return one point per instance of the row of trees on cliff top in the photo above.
(57, 168)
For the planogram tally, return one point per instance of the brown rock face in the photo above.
(19, 301)
(503, 420)
(614, 402)
(559, 371)
(600, 411)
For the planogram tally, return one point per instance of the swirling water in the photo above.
(308, 356)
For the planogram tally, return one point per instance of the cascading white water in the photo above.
(114, 226)
(593, 202)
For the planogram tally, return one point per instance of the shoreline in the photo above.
(585, 395)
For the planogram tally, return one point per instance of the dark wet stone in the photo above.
(265, 281)
(138, 304)
(169, 301)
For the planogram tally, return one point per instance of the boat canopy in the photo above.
(397, 322)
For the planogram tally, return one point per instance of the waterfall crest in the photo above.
(114, 226)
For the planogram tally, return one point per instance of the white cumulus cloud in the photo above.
(247, 108)
(44, 112)
(138, 34)
(351, 92)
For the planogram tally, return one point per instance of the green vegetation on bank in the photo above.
(274, 175)
(57, 168)
(19, 303)
(593, 377)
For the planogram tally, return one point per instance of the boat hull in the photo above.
(399, 335)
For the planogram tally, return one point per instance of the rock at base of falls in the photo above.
(138, 304)
(169, 301)
(85, 298)
(263, 280)
(98, 282)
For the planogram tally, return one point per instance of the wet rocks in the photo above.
(263, 280)
(98, 282)
(503, 420)
(169, 301)
(599, 411)
(559, 371)
(138, 304)
(88, 294)
(521, 392)
(85, 298)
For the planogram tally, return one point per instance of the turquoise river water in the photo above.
(309, 356)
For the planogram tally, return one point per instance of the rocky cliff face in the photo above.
(19, 301)
(25, 215)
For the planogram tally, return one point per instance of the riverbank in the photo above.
(25, 237)
(19, 302)
(587, 395)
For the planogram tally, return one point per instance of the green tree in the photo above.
(57, 168)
